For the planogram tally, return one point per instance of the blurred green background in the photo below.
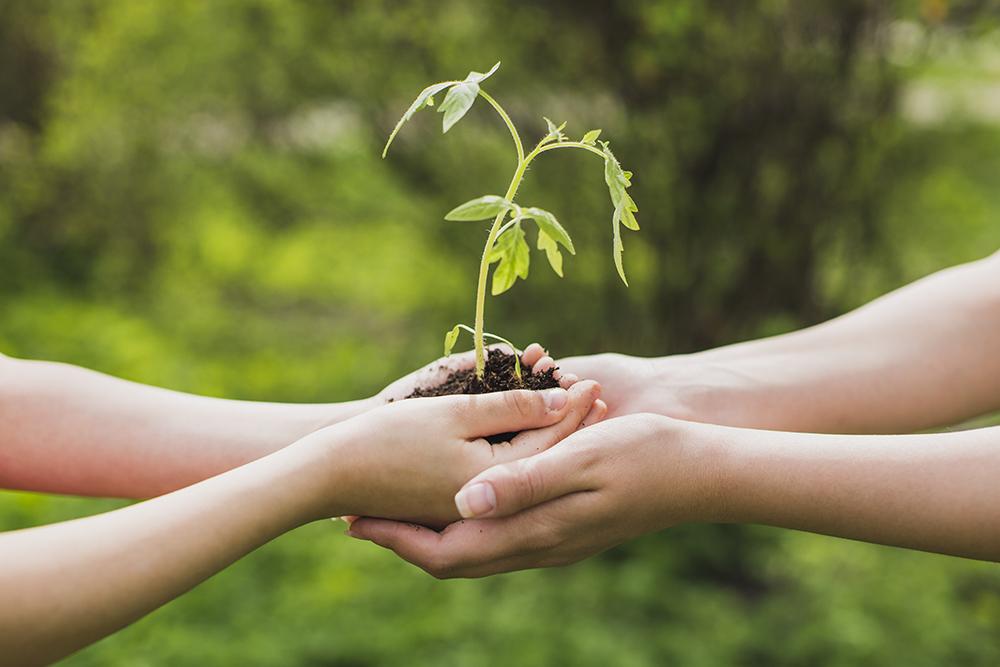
(191, 195)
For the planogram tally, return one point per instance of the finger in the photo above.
(462, 546)
(598, 411)
(543, 364)
(483, 547)
(581, 402)
(510, 487)
(480, 415)
(532, 354)
(567, 380)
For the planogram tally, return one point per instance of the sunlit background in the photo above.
(191, 195)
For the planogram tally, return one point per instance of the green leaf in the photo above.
(450, 339)
(514, 255)
(480, 208)
(618, 181)
(457, 103)
(425, 98)
(548, 244)
(479, 78)
(591, 137)
(555, 132)
(548, 224)
(460, 98)
(618, 247)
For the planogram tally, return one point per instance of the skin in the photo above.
(642, 473)
(66, 585)
(923, 356)
(65, 429)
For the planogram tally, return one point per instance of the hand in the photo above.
(693, 387)
(534, 356)
(594, 490)
(406, 460)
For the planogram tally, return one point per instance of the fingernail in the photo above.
(476, 500)
(555, 399)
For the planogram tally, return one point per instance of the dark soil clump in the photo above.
(498, 376)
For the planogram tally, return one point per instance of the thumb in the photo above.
(511, 487)
(509, 411)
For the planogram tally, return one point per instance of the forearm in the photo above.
(923, 356)
(65, 429)
(67, 585)
(935, 492)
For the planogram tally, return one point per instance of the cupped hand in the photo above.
(594, 490)
(406, 460)
(534, 357)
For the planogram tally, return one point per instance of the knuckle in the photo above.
(521, 403)
(529, 482)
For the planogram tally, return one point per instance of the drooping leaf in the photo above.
(457, 103)
(551, 248)
(547, 223)
(480, 208)
(591, 137)
(618, 248)
(625, 208)
(460, 98)
(425, 98)
(512, 251)
(450, 339)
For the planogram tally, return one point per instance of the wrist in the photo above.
(694, 457)
(701, 387)
(317, 474)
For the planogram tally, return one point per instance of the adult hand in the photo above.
(407, 459)
(594, 490)
(700, 387)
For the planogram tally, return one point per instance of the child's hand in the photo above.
(534, 357)
(407, 460)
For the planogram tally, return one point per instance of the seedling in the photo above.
(506, 244)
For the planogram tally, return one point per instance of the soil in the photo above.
(497, 376)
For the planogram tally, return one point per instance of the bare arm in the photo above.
(925, 355)
(66, 429)
(641, 473)
(66, 585)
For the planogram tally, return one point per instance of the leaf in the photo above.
(460, 98)
(548, 224)
(591, 137)
(618, 247)
(450, 339)
(618, 181)
(425, 98)
(548, 244)
(555, 132)
(514, 255)
(457, 103)
(480, 208)
(479, 78)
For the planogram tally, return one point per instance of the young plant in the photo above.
(506, 244)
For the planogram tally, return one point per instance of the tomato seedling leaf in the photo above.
(480, 208)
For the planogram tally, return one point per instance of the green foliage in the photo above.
(506, 244)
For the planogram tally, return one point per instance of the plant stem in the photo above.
(484, 265)
(510, 124)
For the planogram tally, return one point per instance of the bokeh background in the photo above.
(191, 195)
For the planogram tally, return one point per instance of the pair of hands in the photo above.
(557, 494)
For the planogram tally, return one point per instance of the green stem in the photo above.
(484, 265)
(510, 124)
(569, 144)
